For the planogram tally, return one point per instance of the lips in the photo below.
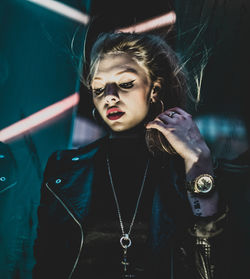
(114, 113)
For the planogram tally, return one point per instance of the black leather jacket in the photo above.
(179, 241)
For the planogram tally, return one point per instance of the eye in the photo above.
(98, 91)
(127, 85)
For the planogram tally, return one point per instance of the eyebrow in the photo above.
(126, 70)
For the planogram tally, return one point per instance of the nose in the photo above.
(111, 94)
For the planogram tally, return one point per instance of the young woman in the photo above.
(141, 202)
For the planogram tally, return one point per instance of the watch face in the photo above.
(204, 184)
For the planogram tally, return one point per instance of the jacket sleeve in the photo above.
(49, 243)
(201, 252)
(43, 239)
(207, 236)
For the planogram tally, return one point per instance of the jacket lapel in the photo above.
(73, 183)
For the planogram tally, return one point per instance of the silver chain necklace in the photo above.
(125, 240)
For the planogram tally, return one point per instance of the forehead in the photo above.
(116, 64)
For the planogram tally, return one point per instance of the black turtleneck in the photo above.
(102, 252)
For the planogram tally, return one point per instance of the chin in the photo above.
(127, 128)
(123, 126)
(119, 129)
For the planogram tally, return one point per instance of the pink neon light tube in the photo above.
(154, 23)
(39, 117)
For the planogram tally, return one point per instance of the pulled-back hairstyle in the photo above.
(162, 64)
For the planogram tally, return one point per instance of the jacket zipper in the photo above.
(80, 226)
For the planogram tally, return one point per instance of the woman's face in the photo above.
(121, 91)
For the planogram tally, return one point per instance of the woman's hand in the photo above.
(182, 133)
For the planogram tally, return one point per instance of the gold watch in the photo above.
(202, 184)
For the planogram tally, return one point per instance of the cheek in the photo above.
(140, 106)
(142, 101)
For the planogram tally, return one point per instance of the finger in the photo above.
(158, 125)
(172, 113)
(180, 111)
(166, 118)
